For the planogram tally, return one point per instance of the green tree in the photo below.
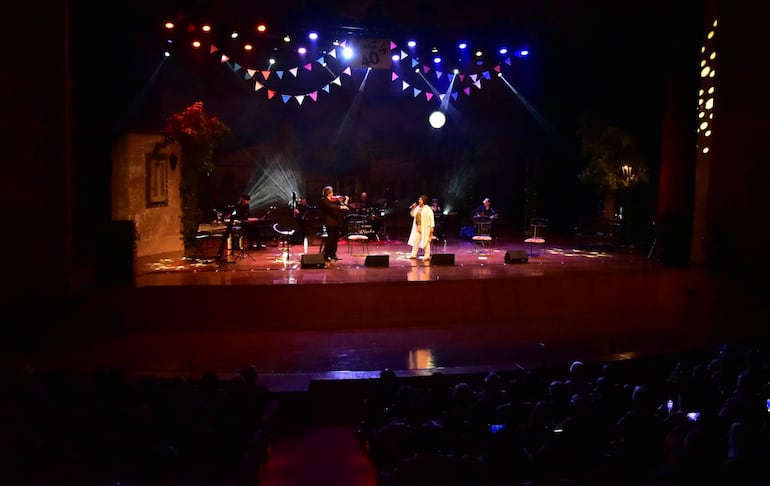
(199, 135)
(613, 161)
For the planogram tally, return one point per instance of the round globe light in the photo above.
(437, 119)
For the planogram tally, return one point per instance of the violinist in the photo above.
(333, 209)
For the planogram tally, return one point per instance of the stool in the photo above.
(535, 240)
(363, 239)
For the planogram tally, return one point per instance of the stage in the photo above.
(181, 317)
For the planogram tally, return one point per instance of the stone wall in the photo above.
(145, 189)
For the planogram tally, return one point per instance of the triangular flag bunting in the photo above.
(270, 94)
(392, 45)
(212, 49)
(473, 77)
(279, 74)
(393, 76)
(404, 85)
(477, 84)
(251, 72)
(293, 71)
(425, 69)
(417, 92)
(346, 71)
(300, 98)
(441, 96)
(428, 95)
(438, 74)
(404, 55)
(454, 95)
(247, 75)
(225, 58)
(467, 91)
(508, 61)
(258, 86)
(285, 98)
(337, 81)
(308, 66)
(486, 75)
(462, 77)
(326, 88)
(314, 95)
(236, 66)
(333, 53)
(497, 68)
(415, 62)
(320, 60)
(266, 74)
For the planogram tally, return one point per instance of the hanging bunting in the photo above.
(225, 58)
(404, 85)
(326, 88)
(417, 92)
(428, 95)
(467, 91)
(308, 66)
(258, 86)
(293, 71)
(270, 94)
(285, 98)
(213, 49)
(314, 96)
(266, 74)
(393, 76)
(300, 99)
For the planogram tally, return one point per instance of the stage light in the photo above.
(302, 50)
(437, 119)
(261, 28)
(234, 35)
(313, 36)
(206, 28)
(396, 57)
(347, 53)
(503, 50)
(411, 43)
(287, 38)
(437, 60)
(169, 25)
(462, 45)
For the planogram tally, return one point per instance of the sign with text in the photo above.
(371, 53)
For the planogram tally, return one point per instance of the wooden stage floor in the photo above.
(350, 320)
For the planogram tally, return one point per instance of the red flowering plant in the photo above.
(199, 135)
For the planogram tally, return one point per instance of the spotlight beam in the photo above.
(545, 125)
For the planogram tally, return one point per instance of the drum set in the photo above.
(366, 221)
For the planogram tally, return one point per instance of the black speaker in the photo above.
(313, 260)
(516, 256)
(376, 261)
(442, 259)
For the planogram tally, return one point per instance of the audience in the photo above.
(582, 424)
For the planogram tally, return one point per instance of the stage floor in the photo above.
(469, 260)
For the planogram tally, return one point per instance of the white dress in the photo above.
(420, 238)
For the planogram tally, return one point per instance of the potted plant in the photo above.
(199, 135)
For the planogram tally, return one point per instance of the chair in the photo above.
(356, 238)
(537, 237)
(284, 240)
(482, 232)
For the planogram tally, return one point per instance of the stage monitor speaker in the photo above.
(376, 261)
(313, 260)
(516, 256)
(442, 259)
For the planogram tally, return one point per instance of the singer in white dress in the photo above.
(423, 225)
